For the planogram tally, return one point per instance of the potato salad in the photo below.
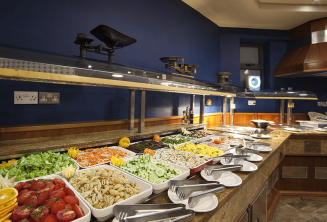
(200, 149)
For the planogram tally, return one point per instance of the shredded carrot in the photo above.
(95, 156)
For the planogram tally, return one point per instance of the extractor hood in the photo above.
(306, 51)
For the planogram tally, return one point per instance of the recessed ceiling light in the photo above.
(89, 66)
(303, 94)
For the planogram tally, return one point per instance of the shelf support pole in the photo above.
(131, 109)
(202, 98)
(224, 110)
(289, 113)
(282, 109)
(231, 111)
(192, 103)
(141, 111)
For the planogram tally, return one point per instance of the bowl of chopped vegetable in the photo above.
(176, 139)
(153, 171)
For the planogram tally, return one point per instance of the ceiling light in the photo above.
(117, 75)
(246, 71)
(166, 83)
(129, 72)
(290, 92)
(89, 66)
(303, 94)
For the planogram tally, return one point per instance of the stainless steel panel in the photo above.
(141, 111)
(320, 172)
(319, 36)
(295, 172)
(131, 109)
(259, 206)
(202, 101)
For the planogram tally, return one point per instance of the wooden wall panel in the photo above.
(211, 119)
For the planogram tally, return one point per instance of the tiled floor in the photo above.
(301, 211)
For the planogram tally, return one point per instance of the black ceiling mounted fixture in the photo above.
(111, 37)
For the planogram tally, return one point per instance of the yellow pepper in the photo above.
(117, 161)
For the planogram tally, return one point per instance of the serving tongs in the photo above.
(174, 184)
(129, 212)
(167, 216)
(229, 158)
(216, 171)
(245, 151)
(184, 192)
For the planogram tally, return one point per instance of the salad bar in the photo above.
(82, 182)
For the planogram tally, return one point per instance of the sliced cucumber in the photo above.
(157, 181)
(178, 171)
(160, 172)
(152, 166)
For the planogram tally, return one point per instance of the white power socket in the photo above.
(251, 102)
(25, 97)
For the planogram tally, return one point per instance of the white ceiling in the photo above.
(260, 14)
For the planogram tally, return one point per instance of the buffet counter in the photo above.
(232, 202)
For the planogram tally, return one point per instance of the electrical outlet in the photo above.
(49, 98)
(25, 97)
(323, 104)
(251, 102)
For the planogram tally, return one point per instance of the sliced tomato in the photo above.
(27, 184)
(39, 214)
(59, 181)
(19, 186)
(43, 196)
(37, 185)
(68, 191)
(78, 211)
(71, 200)
(66, 215)
(23, 191)
(31, 201)
(68, 206)
(57, 194)
(23, 211)
(14, 216)
(22, 198)
(48, 203)
(50, 186)
(26, 220)
(59, 187)
(51, 218)
(57, 205)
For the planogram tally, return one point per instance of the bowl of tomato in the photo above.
(48, 199)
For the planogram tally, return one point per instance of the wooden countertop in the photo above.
(224, 210)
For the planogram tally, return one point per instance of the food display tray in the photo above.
(86, 210)
(197, 169)
(158, 188)
(191, 141)
(116, 147)
(106, 213)
(141, 153)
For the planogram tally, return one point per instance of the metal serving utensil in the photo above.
(249, 144)
(195, 199)
(171, 216)
(122, 211)
(216, 171)
(245, 151)
(185, 192)
(174, 184)
(229, 159)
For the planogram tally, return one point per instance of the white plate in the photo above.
(254, 158)
(261, 148)
(292, 129)
(260, 137)
(247, 166)
(205, 205)
(228, 178)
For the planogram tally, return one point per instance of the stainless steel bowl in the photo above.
(262, 124)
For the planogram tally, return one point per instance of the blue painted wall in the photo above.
(161, 27)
